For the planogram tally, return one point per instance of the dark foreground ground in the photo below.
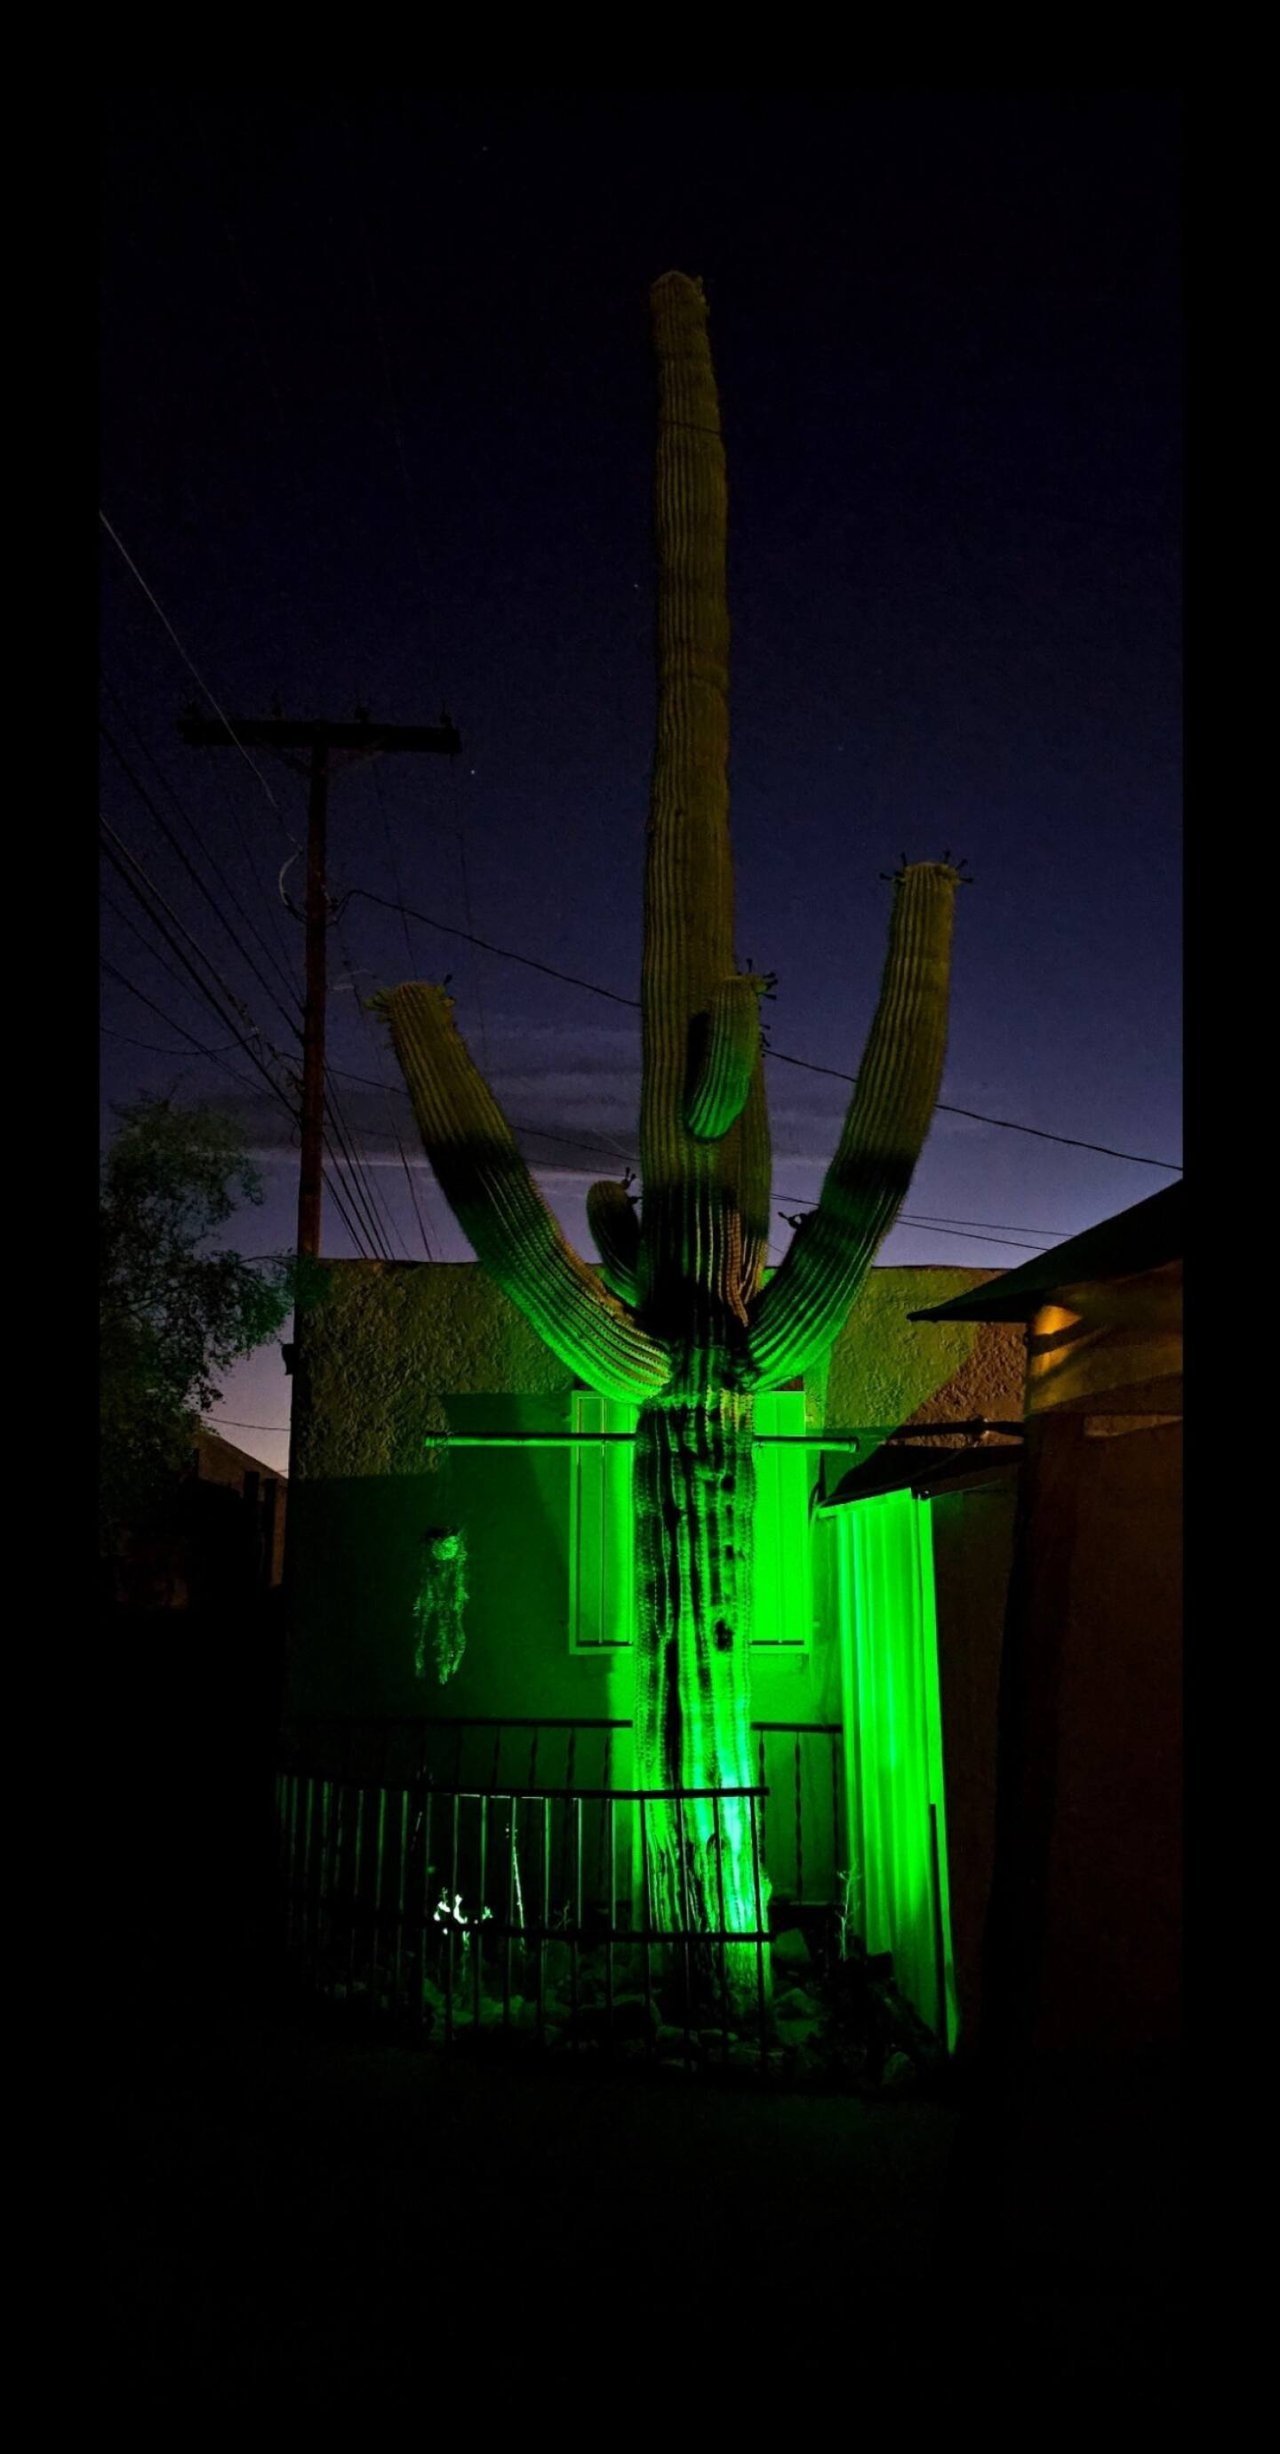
(298, 2228)
(295, 2221)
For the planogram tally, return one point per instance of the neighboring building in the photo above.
(1082, 1945)
(263, 1489)
(425, 1404)
(221, 1538)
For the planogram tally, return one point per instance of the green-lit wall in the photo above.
(388, 1355)
(972, 1527)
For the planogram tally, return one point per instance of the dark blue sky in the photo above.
(377, 428)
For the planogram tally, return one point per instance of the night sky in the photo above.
(377, 429)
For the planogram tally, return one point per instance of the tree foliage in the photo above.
(174, 1311)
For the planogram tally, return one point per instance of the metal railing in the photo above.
(529, 1913)
(799, 1771)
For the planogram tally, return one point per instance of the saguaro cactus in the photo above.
(681, 1319)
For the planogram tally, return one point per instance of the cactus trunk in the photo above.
(694, 1489)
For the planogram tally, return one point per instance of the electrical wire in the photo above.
(595, 988)
(215, 1055)
(290, 1015)
(192, 668)
(119, 855)
(391, 1114)
(278, 955)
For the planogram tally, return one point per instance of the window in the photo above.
(602, 1529)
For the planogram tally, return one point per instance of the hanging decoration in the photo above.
(438, 1610)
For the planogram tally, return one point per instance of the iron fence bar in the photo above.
(610, 1824)
(477, 1937)
(333, 1824)
(401, 1872)
(450, 1922)
(805, 1729)
(647, 1902)
(605, 1770)
(353, 1944)
(798, 1827)
(683, 1861)
(655, 1796)
(761, 1940)
(512, 1894)
(838, 1436)
(418, 1883)
(724, 1954)
(520, 1721)
(379, 1870)
(574, 1902)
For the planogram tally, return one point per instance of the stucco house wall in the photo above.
(388, 1354)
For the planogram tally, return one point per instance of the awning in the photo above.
(1126, 1246)
(904, 1466)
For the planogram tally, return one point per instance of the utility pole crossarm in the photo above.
(322, 742)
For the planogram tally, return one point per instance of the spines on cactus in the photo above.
(499, 1207)
(724, 1050)
(802, 1310)
(614, 1222)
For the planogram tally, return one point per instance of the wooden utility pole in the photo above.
(326, 746)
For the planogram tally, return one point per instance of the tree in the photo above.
(172, 1312)
(685, 1321)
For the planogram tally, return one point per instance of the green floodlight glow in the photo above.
(893, 1744)
(681, 1320)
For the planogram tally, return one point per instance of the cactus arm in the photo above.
(724, 1050)
(804, 1306)
(611, 1216)
(752, 1152)
(497, 1204)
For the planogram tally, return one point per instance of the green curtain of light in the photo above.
(893, 1746)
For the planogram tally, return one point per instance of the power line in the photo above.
(363, 1189)
(291, 1018)
(152, 1047)
(119, 855)
(280, 959)
(214, 1055)
(595, 988)
(192, 668)
(966, 1230)
(361, 1181)
(123, 860)
(404, 1156)
(365, 894)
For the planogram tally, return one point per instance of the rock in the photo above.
(802, 2031)
(796, 2003)
(790, 1949)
